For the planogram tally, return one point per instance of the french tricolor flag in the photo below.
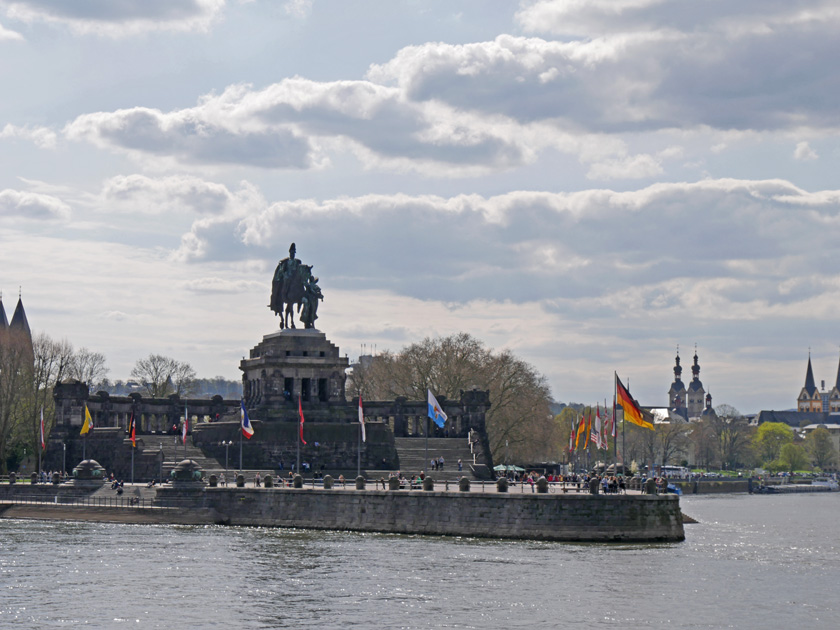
(247, 429)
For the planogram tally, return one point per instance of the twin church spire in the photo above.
(692, 400)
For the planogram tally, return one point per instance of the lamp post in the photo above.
(64, 460)
(227, 446)
(161, 463)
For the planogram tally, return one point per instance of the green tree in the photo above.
(821, 448)
(770, 438)
(793, 457)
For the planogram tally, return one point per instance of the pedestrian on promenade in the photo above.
(460, 465)
(222, 480)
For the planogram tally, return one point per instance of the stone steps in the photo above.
(412, 454)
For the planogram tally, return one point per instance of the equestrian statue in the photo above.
(294, 283)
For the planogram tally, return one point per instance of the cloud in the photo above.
(41, 136)
(176, 193)
(804, 152)
(640, 65)
(34, 206)
(669, 249)
(297, 123)
(189, 136)
(118, 17)
(7, 35)
(220, 285)
(298, 8)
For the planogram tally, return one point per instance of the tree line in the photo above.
(29, 373)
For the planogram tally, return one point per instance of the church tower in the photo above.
(16, 336)
(834, 395)
(809, 398)
(676, 395)
(709, 411)
(696, 393)
(4, 323)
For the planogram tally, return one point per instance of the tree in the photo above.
(89, 367)
(770, 438)
(519, 416)
(52, 361)
(704, 442)
(732, 435)
(820, 447)
(15, 371)
(162, 376)
(793, 457)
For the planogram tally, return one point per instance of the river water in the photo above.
(763, 562)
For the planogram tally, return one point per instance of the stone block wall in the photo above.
(600, 518)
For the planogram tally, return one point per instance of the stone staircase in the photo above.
(412, 455)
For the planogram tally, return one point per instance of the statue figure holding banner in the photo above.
(311, 295)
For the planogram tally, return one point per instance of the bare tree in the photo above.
(162, 376)
(15, 372)
(732, 436)
(89, 367)
(52, 362)
(519, 415)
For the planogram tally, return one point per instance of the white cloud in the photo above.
(34, 206)
(7, 35)
(804, 152)
(146, 195)
(298, 8)
(40, 136)
(115, 18)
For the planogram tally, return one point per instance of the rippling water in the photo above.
(753, 562)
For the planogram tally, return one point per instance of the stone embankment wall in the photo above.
(621, 518)
(577, 518)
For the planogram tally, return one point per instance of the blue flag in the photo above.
(436, 411)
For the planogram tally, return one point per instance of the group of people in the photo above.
(45, 476)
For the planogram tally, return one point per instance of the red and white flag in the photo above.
(361, 417)
(184, 428)
(300, 412)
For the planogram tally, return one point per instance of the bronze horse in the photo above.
(287, 289)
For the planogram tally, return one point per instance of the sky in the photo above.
(591, 184)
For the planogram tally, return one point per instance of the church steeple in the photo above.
(695, 369)
(676, 395)
(19, 323)
(810, 386)
(4, 323)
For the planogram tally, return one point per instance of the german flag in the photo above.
(631, 409)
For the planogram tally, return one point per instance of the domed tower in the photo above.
(696, 393)
(709, 411)
(676, 395)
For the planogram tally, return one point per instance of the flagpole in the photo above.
(426, 455)
(240, 448)
(359, 454)
(132, 465)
